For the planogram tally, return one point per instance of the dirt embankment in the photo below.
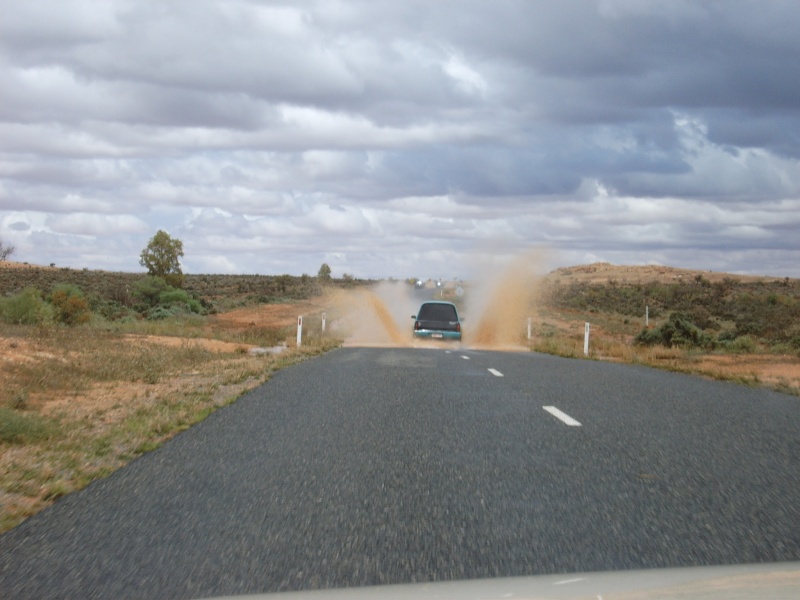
(264, 315)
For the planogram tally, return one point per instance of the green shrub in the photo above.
(25, 308)
(110, 310)
(177, 311)
(160, 312)
(69, 305)
(173, 296)
(784, 349)
(702, 318)
(677, 331)
(148, 290)
(744, 344)
(649, 337)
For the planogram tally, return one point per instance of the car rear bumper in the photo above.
(436, 334)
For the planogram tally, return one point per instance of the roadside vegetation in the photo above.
(97, 368)
(698, 313)
(725, 329)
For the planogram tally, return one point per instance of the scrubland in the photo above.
(744, 329)
(97, 368)
(79, 400)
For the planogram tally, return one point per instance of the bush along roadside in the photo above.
(679, 330)
(152, 298)
(156, 299)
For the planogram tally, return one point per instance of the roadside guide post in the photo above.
(299, 331)
(586, 339)
(323, 322)
(529, 328)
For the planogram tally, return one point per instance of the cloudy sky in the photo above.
(399, 138)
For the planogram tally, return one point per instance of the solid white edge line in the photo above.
(562, 416)
(495, 372)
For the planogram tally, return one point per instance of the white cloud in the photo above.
(84, 224)
(390, 135)
(344, 220)
(467, 78)
(213, 264)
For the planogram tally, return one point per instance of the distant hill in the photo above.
(603, 272)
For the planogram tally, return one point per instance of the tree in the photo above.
(324, 272)
(162, 258)
(6, 250)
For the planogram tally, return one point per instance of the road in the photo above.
(370, 466)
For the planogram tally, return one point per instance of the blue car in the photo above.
(437, 320)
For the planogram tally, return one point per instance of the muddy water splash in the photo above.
(377, 316)
(498, 302)
(387, 322)
(501, 299)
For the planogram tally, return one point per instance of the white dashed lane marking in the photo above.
(562, 416)
(465, 357)
(558, 414)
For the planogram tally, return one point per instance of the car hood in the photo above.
(731, 582)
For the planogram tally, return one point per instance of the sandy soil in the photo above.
(265, 315)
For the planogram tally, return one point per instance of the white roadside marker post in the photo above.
(586, 340)
(529, 328)
(323, 322)
(299, 331)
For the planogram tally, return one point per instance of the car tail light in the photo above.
(416, 325)
(458, 327)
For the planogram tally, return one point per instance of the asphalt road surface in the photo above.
(371, 466)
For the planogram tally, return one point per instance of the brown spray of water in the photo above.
(502, 296)
(379, 316)
(499, 298)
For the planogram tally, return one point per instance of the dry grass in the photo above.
(77, 404)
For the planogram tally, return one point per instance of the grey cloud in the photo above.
(775, 131)
(317, 119)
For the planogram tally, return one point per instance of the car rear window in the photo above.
(437, 312)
